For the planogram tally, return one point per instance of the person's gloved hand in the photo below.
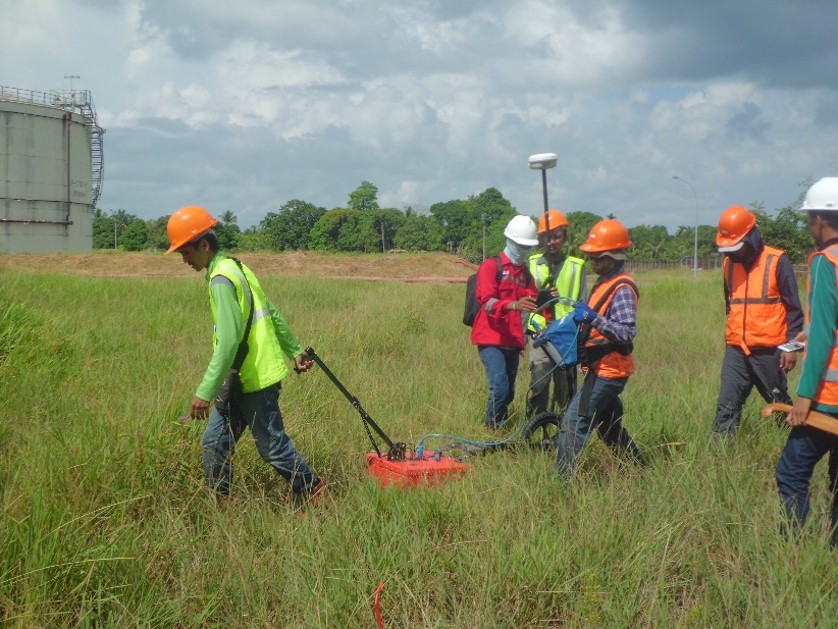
(582, 313)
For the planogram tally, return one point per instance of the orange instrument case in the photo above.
(395, 467)
(412, 472)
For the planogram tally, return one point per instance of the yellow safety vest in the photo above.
(568, 285)
(263, 365)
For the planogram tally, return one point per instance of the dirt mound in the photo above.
(404, 267)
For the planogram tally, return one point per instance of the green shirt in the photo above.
(823, 315)
(229, 328)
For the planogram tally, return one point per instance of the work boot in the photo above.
(495, 426)
(631, 453)
(318, 496)
(723, 440)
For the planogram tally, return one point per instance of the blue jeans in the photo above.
(804, 448)
(260, 411)
(605, 412)
(501, 369)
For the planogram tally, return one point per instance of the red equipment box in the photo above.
(412, 472)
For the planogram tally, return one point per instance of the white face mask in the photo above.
(515, 252)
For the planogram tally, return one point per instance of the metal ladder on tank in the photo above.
(97, 157)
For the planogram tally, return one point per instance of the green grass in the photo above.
(105, 521)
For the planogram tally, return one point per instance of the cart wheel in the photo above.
(543, 431)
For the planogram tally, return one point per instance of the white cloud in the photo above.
(251, 103)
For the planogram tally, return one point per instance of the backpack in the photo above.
(472, 306)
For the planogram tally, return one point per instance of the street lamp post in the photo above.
(118, 223)
(695, 239)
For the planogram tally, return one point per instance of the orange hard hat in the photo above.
(187, 224)
(557, 219)
(734, 224)
(607, 235)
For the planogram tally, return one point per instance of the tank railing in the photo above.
(37, 221)
(71, 99)
(62, 99)
(15, 94)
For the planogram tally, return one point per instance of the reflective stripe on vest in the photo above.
(757, 316)
(614, 364)
(764, 297)
(263, 365)
(521, 278)
(257, 314)
(568, 284)
(827, 391)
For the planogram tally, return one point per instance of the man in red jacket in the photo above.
(498, 329)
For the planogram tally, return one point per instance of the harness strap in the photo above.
(241, 353)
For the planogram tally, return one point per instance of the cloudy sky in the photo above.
(246, 105)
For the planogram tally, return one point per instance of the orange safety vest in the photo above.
(757, 316)
(613, 364)
(827, 391)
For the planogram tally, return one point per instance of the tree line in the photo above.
(471, 228)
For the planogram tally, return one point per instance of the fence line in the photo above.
(705, 263)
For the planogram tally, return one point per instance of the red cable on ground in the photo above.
(378, 619)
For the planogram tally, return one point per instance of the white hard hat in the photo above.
(822, 196)
(521, 229)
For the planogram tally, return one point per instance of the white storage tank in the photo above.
(51, 167)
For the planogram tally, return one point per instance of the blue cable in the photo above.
(420, 446)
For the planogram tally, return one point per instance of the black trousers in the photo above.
(740, 374)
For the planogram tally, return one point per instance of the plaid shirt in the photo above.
(620, 321)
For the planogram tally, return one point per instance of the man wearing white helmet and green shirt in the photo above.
(505, 289)
(818, 386)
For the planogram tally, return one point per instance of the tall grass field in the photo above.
(105, 521)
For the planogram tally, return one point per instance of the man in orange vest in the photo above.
(763, 312)
(607, 329)
(818, 387)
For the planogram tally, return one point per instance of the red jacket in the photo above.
(494, 325)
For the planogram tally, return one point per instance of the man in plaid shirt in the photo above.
(608, 326)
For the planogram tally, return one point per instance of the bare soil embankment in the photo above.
(401, 267)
